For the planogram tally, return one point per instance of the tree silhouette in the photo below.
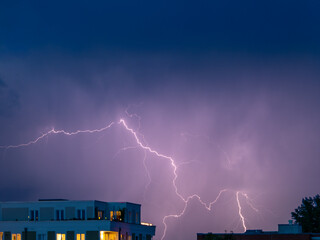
(308, 214)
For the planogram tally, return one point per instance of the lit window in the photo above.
(1, 234)
(111, 215)
(100, 215)
(118, 213)
(61, 236)
(108, 235)
(15, 236)
(81, 236)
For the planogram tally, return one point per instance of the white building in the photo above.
(72, 220)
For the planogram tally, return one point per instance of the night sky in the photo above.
(229, 89)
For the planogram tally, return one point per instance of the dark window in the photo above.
(57, 215)
(37, 215)
(32, 215)
(83, 214)
(79, 214)
(62, 214)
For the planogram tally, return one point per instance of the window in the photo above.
(81, 214)
(1, 235)
(108, 235)
(41, 237)
(15, 236)
(111, 215)
(118, 213)
(59, 214)
(81, 236)
(100, 215)
(61, 236)
(137, 217)
(32, 215)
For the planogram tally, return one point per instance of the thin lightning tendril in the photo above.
(249, 202)
(152, 151)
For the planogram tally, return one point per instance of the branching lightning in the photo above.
(53, 131)
(148, 149)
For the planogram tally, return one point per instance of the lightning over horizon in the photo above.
(148, 149)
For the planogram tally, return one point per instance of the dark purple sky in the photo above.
(229, 89)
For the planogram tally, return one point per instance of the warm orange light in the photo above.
(61, 236)
(146, 224)
(106, 235)
(15, 236)
(81, 236)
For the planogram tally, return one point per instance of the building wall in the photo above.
(15, 214)
(256, 236)
(16, 217)
(70, 213)
(46, 213)
(289, 228)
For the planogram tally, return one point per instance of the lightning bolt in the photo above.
(53, 131)
(240, 212)
(146, 149)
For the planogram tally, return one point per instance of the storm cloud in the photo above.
(230, 90)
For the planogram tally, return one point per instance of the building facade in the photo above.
(285, 232)
(73, 220)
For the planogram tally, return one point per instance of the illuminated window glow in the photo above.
(81, 236)
(100, 215)
(61, 236)
(1, 234)
(111, 215)
(16, 236)
(118, 213)
(146, 224)
(104, 235)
